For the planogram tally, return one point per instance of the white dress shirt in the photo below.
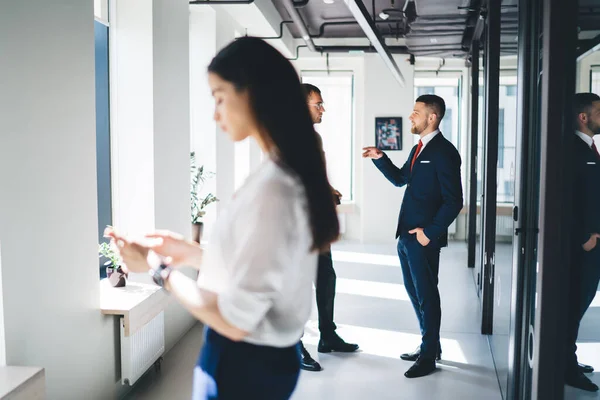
(259, 260)
(588, 140)
(426, 139)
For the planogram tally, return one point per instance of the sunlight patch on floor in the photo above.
(391, 291)
(365, 258)
(384, 343)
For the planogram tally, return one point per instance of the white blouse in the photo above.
(259, 260)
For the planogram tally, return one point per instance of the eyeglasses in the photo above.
(320, 106)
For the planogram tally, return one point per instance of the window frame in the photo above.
(351, 197)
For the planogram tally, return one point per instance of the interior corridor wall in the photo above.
(48, 223)
(383, 97)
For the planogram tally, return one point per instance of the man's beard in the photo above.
(417, 130)
(595, 128)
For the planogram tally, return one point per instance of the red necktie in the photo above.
(419, 147)
(595, 149)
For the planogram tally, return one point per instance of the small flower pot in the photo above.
(116, 276)
(197, 229)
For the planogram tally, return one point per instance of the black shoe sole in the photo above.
(325, 349)
(421, 374)
(311, 368)
(414, 358)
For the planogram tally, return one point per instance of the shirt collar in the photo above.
(427, 138)
(588, 140)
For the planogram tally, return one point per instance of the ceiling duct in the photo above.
(293, 12)
(360, 13)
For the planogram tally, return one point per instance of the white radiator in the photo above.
(504, 225)
(141, 349)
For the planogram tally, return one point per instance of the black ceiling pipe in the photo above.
(280, 31)
(300, 3)
(477, 31)
(299, 22)
(586, 47)
(342, 23)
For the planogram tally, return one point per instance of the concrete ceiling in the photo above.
(438, 28)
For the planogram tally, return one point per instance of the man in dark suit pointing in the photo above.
(432, 200)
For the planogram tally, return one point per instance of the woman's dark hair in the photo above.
(279, 105)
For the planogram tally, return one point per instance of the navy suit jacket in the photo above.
(586, 192)
(433, 196)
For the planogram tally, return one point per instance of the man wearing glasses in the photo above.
(326, 278)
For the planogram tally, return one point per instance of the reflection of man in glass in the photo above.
(326, 278)
(585, 253)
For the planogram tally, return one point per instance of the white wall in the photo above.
(377, 94)
(48, 223)
(383, 97)
(172, 137)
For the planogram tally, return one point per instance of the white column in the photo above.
(132, 114)
(151, 125)
(203, 47)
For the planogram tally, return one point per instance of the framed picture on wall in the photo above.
(388, 133)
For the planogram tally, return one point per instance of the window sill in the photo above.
(346, 208)
(22, 383)
(138, 303)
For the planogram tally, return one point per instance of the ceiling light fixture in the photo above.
(361, 15)
(328, 1)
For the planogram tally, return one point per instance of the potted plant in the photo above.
(199, 203)
(114, 272)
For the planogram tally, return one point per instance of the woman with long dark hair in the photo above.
(255, 282)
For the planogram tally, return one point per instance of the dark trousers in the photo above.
(420, 267)
(585, 276)
(325, 288)
(228, 370)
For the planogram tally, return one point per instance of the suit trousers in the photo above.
(228, 370)
(325, 288)
(420, 267)
(585, 276)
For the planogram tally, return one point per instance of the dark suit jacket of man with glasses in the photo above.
(432, 200)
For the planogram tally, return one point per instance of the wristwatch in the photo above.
(161, 274)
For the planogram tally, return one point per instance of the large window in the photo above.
(507, 120)
(103, 162)
(595, 79)
(337, 128)
(447, 89)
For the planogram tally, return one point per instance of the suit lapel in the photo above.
(430, 147)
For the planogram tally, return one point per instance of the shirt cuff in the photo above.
(242, 309)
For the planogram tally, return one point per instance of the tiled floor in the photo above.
(373, 310)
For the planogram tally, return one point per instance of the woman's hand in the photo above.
(175, 249)
(134, 255)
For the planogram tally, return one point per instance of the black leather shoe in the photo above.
(586, 369)
(335, 343)
(421, 367)
(414, 356)
(308, 363)
(580, 381)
